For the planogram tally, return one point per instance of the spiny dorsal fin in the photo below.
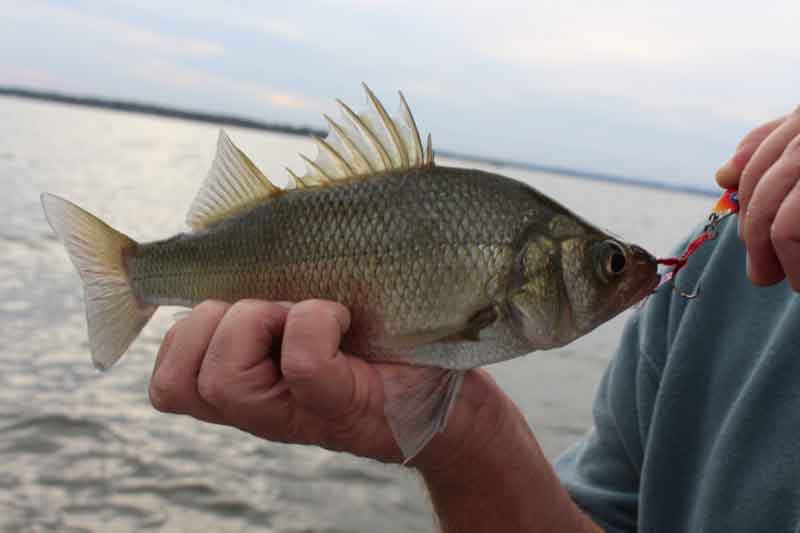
(233, 185)
(428, 152)
(408, 118)
(297, 181)
(365, 143)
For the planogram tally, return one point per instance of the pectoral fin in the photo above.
(468, 331)
(417, 403)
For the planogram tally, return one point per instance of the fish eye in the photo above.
(611, 260)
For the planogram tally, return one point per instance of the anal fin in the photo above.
(417, 403)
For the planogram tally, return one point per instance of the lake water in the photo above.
(84, 451)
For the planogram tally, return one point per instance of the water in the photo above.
(84, 451)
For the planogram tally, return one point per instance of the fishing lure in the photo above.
(726, 206)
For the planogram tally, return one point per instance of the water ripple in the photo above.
(84, 451)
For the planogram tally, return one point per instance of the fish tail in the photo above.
(114, 315)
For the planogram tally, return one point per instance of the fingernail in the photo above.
(164, 348)
(342, 315)
(728, 173)
(287, 305)
(749, 266)
(724, 170)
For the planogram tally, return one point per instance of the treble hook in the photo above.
(688, 295)
(726, 206)
(709, 233)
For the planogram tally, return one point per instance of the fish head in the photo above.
(562, 288)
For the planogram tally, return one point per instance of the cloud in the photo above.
(127, 35)
(592, 47)
(218, 17)
(90, 28)
(731, 60)
(642, 88)
(288, 100)
(279, 28)
(171, 74)
(24, 76)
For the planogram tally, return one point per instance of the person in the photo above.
(695, 416)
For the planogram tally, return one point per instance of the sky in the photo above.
(656, 90)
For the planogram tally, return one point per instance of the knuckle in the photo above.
(312, 307)
(323, 310)
(782, 233)
(211, 390)
(164, 396)
(749, 175)
(755, 137)
(750, 142)
(793, 150)
(244, 320)
(208, 307)
(247, 306)
(252, 317)
(296, 366)
(756, 234)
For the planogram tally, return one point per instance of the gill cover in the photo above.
(563, 287)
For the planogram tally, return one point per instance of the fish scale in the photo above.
(442, 268)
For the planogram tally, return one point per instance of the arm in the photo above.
(506, 484)
(766, 170)
(484, 473)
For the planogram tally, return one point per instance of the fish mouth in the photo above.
(645, 290)
(647, 263)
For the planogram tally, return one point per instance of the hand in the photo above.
(766, 169)
(276, 371)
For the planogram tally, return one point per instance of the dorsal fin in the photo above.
(234, 184)
(360, 145)
(365, 143)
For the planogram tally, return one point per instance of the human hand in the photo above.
(276, 371)
(766, 169)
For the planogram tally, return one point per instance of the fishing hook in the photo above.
(709, 233)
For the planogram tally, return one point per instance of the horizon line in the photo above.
(133, 106)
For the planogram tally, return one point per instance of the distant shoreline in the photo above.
(242, 122)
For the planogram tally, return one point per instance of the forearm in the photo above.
(508, 486)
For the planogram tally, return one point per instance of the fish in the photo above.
(443, 268)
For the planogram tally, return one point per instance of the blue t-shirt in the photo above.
(697, 418)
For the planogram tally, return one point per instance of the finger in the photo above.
(728, 174)
(317, 372)
(764, 266)
(173, 387)
(169, 336)
(786, 232)
(764, 157)
(237, 368)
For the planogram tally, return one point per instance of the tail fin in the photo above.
(113, 314)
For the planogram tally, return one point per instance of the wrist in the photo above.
(482, 424)
(488, 472)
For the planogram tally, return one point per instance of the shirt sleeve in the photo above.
(602, 471)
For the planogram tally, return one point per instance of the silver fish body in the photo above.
(424, 256)
(444, 268)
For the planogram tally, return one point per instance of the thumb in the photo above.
(317, 373)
